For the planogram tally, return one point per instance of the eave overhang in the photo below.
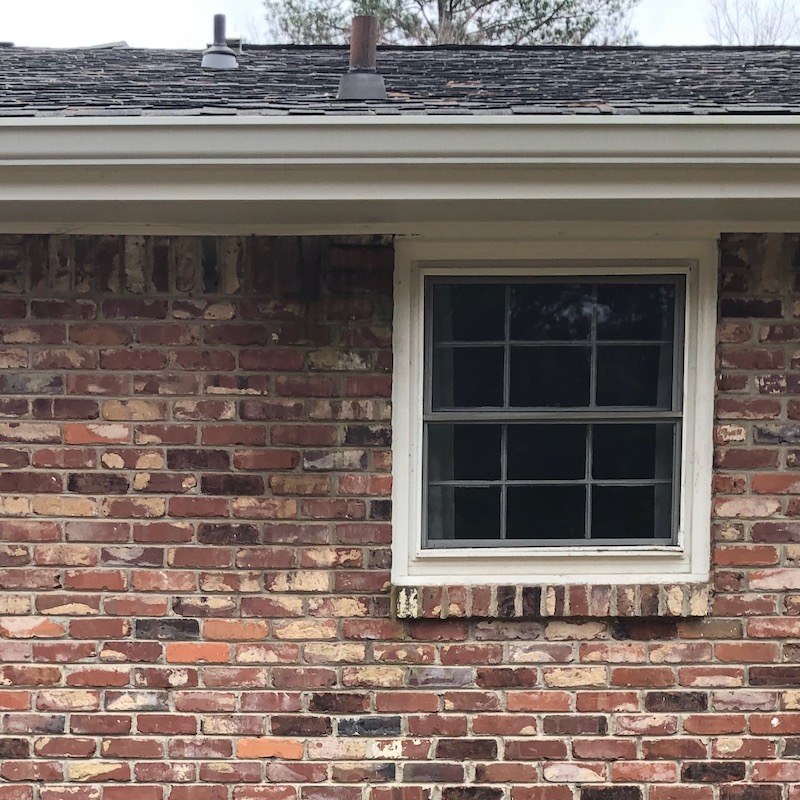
(394, 174)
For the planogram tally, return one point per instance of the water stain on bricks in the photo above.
(574, 725)
(237, 485)
(471, 793)
(713, 771)
(380, 510)
(506, 677)
(227, 534)
(776, 434)
(428, 772)
(466, 749)
(676, 701)
(14, 748)
(735, 307)
(301, 725)
(775, 676)
(339, 703)
(367, 436)
(440, 677)
(93, 483)
(167, 629)
(370, 726)
(198, 459)
(361, 773)
(645, 629)
(506, 597)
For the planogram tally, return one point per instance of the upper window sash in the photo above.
(487, 363)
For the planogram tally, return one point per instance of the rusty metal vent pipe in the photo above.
(219, 55)
(362, 81)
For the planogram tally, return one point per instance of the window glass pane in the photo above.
(546, 512)
(467, 377)
(546, 452)
(550, 377)
(632, 451)
(629, 512)
(551, 311)
(459, 512)
(469, 312)
(464, 452)
(643, 311)
(558, 347)
(634, 375)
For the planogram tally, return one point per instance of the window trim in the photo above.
(685, 561)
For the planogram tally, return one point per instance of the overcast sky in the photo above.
(188, 23)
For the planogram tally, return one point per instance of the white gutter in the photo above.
(384, 172)
(712, 140)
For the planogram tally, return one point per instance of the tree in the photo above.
(753, 22)
(428, 22)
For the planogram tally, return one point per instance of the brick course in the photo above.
(195, 474)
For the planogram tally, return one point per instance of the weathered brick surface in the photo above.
(195, 533)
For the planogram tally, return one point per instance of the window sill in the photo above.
(543, 601)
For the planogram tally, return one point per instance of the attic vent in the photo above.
(363, 82)
(219, 55)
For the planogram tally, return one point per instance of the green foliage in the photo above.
(430, 22)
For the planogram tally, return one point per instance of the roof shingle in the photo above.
(286, 80)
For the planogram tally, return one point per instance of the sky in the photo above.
(189, 23)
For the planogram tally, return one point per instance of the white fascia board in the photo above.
(386, 172)
(289, 141)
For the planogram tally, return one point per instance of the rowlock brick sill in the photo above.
(519, 602)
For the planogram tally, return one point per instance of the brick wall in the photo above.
(194, 554)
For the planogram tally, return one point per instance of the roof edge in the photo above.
(377, 174)
(287, 141)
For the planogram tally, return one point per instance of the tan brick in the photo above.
(559, 677)
(133, 410)
(305, 629)
(301, 581)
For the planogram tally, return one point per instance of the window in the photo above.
(554, 394)
(552, 416)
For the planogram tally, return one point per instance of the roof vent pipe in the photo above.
(362, 82)
(219, 55)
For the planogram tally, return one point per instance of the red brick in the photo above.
(747, 408)
(138, 792)
(233, 434)
(304, 435)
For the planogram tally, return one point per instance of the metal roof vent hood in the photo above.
(362, 82)
(219, 55)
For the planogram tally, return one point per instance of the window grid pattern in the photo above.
(662, 417)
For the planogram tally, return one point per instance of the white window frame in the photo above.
(686, 561)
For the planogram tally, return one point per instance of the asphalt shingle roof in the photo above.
(291, 80)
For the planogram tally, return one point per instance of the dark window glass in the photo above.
(634, 375)
(644, 311)
(550, 377)
(464, 452)
(546, 452)
(469, 312)
(632, 451)
(537, 402)
(463, 512)
(546, 512)
(467, 377)
(624, 512)
(547, 311)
